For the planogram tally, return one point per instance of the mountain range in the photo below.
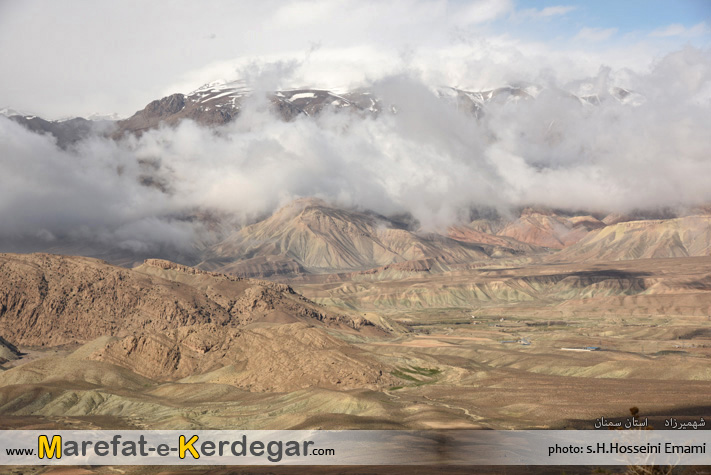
(310, 236)
(220, 102)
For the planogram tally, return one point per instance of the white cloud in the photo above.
(677, 29)
(102, 66)
(595, 34)
(547, 12)
(481, 11)
(307, 12)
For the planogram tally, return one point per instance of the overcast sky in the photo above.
(65, 58)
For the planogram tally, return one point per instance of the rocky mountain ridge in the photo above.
(49, 300)
(218, 103)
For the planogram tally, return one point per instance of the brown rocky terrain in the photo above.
(171, 110)
(48, 300)
(644, 239)
(219, 103)
(65, 132)
(105, 341)
(8, 351)
(310, 236)
(483, 233)
(275, 358)
(316, 237)
(549, 229)
(646, 286)
(460, 345)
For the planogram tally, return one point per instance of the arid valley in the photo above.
(473, 330)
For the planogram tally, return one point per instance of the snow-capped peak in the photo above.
(8, 112)
(113, 116)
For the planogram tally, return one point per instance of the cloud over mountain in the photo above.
(422, 155)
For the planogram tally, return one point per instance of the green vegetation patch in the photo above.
(410, 373)
(401, 375)
(671, 352)
(422, 371)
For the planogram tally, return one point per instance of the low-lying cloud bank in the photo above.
(163, 190)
